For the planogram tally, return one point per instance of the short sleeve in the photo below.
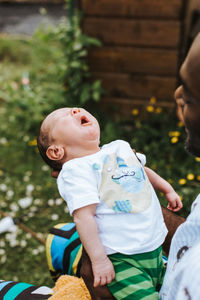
(77, 185)
(142, 158)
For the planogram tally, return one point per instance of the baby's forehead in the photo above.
(54, 116)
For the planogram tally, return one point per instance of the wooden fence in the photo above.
(142, 46)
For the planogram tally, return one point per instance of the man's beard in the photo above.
(192, 144)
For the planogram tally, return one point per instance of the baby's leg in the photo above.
(138, 276)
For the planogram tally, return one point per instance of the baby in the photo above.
(111, 196)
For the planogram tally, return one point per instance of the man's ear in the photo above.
(55, 152)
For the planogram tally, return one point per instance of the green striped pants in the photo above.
(137, 276)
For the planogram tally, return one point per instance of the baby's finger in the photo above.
(103, 281)
(179, 203)
(169, 207)
(173, 204)
(109, 278)
(97, 280)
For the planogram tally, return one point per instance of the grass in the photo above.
(27, 189)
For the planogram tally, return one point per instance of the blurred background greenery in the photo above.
(39, 74)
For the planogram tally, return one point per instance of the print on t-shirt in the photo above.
(124, 186)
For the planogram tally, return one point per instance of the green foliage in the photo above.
(38, 75)
(161, 137)
(41, 74)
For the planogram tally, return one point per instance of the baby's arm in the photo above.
(160, 184)
(86, 226)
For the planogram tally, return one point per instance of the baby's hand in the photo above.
(103, 272)
(174, 201)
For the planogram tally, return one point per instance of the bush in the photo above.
(49, 71)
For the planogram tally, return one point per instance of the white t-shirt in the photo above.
(128, 213)
(182, 279)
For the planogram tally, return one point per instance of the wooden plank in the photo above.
(33, 1)
(125, 32)
(124, 106)
(129, 86)
(134, 60)
(133, 8)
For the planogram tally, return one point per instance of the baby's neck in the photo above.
(82, 153)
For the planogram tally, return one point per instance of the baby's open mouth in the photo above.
(84, 120)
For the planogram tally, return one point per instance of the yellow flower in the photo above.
(138, 124)
(182, 181)
(135, 111)
(150, 108)
(198, 177)
(1, 172)
(174, 139)
(190, 176)
(158, 110)
(180, 124)
(33, 142)
(152, 100)
(174, 133)
(48, 184)
(197, 159)
(181, 197)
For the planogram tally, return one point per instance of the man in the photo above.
(182, 280)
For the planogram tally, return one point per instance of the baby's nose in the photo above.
(75, 110)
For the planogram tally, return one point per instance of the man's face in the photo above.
(187, 97)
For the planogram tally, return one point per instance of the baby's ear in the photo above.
(55, 152)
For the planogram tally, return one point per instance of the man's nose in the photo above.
(178, 96)
(75, 110)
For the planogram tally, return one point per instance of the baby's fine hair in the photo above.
(43, 144)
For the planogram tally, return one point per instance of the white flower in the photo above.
(25, 202)
(15, 278)
(12, 214)
(6, 224)
(37, 201)
(66, 209)
(28, 173)
(35, 252)
(59, 201)
(4, 204)
(14, 243)
(45, 168)
(9, 194)
(30, 188)
(28, 236)
(3, 141)
(77, 46)
(2, 243)
(41, 248)
(2, 251)
(54, 217)
(26, 138)
(33, 209)
(30, 214)
(3, 187)
(26, 178)
(23, 243)
(14, 207)
(3, 259)
(51, 202)
(40, 235)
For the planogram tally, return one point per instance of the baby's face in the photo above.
(73, 127)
